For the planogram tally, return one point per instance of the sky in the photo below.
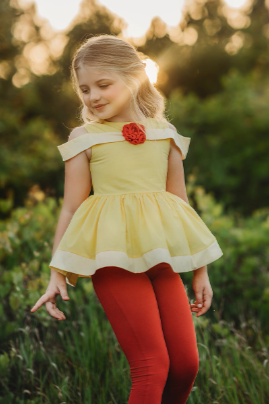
(61, 12)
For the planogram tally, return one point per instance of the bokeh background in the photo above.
(210, 60)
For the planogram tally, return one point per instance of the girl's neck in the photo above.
(121, 122)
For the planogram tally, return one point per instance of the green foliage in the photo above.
(229, 141)
(230, 370)
(25, 248)
(240, 277)
(29, 156)
(221, 44)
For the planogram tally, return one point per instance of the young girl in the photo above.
(137, 232)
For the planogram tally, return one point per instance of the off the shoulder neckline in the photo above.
(98, 134)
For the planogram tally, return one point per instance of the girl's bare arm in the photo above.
(175, 181)
(77, 187)
(175, 184)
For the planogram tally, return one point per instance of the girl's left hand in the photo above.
(203, 293)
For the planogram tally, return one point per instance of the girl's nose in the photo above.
(94, 97)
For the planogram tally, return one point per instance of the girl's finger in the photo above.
(60, 312)
(201, 311)
(207, 301)
(54, 311)
(198, 305)
(195, 307)
(39, 303)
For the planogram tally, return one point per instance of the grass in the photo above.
(79, 360)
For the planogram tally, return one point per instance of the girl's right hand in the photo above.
(57, 286)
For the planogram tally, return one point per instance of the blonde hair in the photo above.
(112, 54)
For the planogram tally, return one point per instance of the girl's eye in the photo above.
(104, 86)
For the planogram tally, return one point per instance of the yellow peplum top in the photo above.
(131, 221)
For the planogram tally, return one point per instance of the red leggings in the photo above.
(151, 317)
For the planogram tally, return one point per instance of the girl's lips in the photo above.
(101, 107)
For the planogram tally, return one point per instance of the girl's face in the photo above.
(103, 88)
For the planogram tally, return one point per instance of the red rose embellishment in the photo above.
(133, 133)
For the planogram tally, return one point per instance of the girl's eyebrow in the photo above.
(96, 82)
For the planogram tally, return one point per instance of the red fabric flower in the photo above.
(133, 133)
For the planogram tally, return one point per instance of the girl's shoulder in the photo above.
(84, 137)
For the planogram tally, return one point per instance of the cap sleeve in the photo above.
(182, 143)
(79, 143)
(75, 146)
